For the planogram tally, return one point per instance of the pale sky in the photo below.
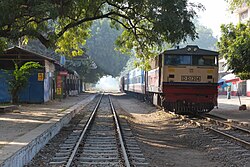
(216, 13)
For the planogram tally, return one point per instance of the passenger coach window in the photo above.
(204, 60)
(177, 60)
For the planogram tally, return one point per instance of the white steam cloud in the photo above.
(108, 83)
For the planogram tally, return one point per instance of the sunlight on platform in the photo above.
(12, 143)
(21, 120)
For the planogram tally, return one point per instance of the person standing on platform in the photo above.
(229, 92)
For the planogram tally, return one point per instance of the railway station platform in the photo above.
(25, 130)
(229, 109)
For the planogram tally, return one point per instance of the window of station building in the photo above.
(177, 60)
(204, 60)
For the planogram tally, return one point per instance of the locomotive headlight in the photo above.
(210, 71)
(171, 70)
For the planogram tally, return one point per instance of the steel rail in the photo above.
(202, 125)
(242, 142)
(83, 133)
(125, 156)
(231, 137)
(226, 124)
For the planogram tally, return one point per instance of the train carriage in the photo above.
(134, 82)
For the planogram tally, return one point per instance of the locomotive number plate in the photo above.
(190, 78)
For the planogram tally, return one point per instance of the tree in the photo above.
(94, 75)
(131, 64)
(65, 24)
(3, 44)
(234, 47)
(234, 4)
(101, 48)
(206, 39)
(81, 65)
(18, 78)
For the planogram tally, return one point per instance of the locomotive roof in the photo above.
(192, 50)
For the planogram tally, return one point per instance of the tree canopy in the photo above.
(106, 57)
(82, 66)
(65, 24)
(101, 47)
(234, 4)
(206, 39)
(234, 47)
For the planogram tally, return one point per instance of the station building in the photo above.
(50, 82)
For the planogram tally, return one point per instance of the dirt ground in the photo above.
(167, 141)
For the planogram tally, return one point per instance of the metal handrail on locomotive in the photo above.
(181, 80)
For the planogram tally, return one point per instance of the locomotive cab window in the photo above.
(177, 60)
(198, 60)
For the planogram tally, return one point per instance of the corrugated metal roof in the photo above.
(24, 52)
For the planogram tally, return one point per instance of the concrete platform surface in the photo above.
(27, 129)
(229, 109)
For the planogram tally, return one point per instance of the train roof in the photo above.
(192, 50)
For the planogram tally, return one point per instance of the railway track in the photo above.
(219, 126)
(100, 141)
(228, 130)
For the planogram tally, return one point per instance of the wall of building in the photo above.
(4, 93)
(48, 81)
(248, 88)
(34, 91)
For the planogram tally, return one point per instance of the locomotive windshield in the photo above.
(198, 60)
(177, 60)
(195, 60)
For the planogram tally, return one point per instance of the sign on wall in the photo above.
(64, 73)
(40, 76)
(59, 85)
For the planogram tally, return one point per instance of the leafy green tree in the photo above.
(81, 65)
(3, 44)
(94, 75)
(65, 24)
(18, 78)
(234, 47)
(130, 65)
(101, 48)
(234, 4)
(205, 40)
